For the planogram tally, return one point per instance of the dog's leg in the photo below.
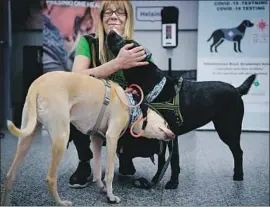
(239, 45)
(211, 47)
(215, 43)
(161, 163)
(229, 131)
(234, 46)
(96, 145)
(110, 159)
(175, 166)
(23, 146)
(22, 149)
(238, 161)
(112, 137)
(59, 132)
(219, 43)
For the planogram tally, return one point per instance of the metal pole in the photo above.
(7, 63)
(170, 67)
(170, 54)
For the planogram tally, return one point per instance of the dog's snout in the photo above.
(171, 135)
(167, 133)
(248, 23)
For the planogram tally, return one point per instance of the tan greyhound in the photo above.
(57, 98)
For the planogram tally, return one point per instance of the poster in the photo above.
(64, 22)
(233, 43)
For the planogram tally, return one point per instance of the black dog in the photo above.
(200, 103)
(232, 34)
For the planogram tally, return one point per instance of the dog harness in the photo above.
(95, 130)
(156, 91)
(134, 113)
(229, 34)
(172, 106)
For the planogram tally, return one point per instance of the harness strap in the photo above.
(144, 107)
(174, 104)
(178, 86)
(151, 96)
(161, 148)
(106, 102)
(142, 182)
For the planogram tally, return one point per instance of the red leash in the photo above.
(135, 92)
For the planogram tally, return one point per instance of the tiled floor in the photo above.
(205, 179)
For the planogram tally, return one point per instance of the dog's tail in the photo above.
(244, 88)
(210, 38)
(31, 101)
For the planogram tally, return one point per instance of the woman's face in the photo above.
(114, 18)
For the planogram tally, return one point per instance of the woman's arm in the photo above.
(81, 64)
(126, 59)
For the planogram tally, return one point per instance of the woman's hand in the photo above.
(129, 58)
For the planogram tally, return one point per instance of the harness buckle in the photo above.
(106, 101)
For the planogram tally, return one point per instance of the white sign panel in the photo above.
(233, 43)
(147, 14)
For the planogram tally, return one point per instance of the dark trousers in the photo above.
(82, 144)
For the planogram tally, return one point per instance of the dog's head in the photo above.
(247, 23)
(156, 127)
(115, 42)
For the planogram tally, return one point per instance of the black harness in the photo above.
(171, 109)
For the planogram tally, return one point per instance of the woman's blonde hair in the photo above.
(104, 54)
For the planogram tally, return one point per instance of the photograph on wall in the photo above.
(233, 43)
(64, 22)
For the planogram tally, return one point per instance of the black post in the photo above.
(170, 67)
(5, 47)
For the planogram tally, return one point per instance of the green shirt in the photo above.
(84, 49)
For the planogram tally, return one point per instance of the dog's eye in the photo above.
(166, 124)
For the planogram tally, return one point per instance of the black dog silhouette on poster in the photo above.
(235, 35)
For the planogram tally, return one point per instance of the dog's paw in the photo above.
(171, 184)
(113, 199)
(65, 203)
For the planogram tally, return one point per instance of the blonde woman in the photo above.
(93, 58)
